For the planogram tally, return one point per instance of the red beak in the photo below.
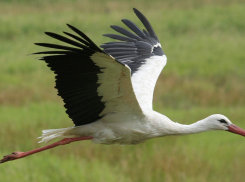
(235, 129)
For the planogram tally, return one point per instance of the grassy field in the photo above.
(204, 43)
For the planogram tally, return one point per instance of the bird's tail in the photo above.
(51, 134)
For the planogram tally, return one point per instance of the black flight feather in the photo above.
(133, 27)
(85, 37)
(119, 37)
(135, 48)
(76, 76)
(125, 32)
(146, 23)
(79, 39)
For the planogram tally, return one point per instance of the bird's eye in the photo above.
(223, 121)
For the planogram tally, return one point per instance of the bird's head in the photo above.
(221, 122)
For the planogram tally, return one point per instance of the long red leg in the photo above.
(18, 155)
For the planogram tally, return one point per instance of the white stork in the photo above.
(108, 93)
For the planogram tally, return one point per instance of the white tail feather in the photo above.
(51, 134)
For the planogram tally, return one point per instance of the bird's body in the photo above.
(121, 128)
(108, 93)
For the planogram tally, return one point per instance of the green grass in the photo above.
(204, 43)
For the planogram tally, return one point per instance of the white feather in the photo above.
(144, 80)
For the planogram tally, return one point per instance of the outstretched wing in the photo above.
(91, 82)
(142, 52)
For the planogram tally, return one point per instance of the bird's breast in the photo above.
(122, 130)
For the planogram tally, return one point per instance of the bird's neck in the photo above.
(169, 127)
(181, 129)
(162, 126)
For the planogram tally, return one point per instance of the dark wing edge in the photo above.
(76, 76)
(137, 46)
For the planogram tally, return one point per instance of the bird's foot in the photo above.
(11, 157)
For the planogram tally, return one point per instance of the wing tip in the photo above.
(135, 9)
(69, 25)
(146, 23)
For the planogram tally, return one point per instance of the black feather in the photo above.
(119, 37)
(125, 32)
(79, 39)
(76, 76)
(146, 23)
(54, 46)
(133, 27)
(69, 41)
(54, 52)
(85, 37)
(137, 47)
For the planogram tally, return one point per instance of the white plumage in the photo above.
(108, 93)
(145, 80)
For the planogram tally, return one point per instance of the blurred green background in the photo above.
(205, 45)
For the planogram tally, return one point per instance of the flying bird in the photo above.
(108, 92)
